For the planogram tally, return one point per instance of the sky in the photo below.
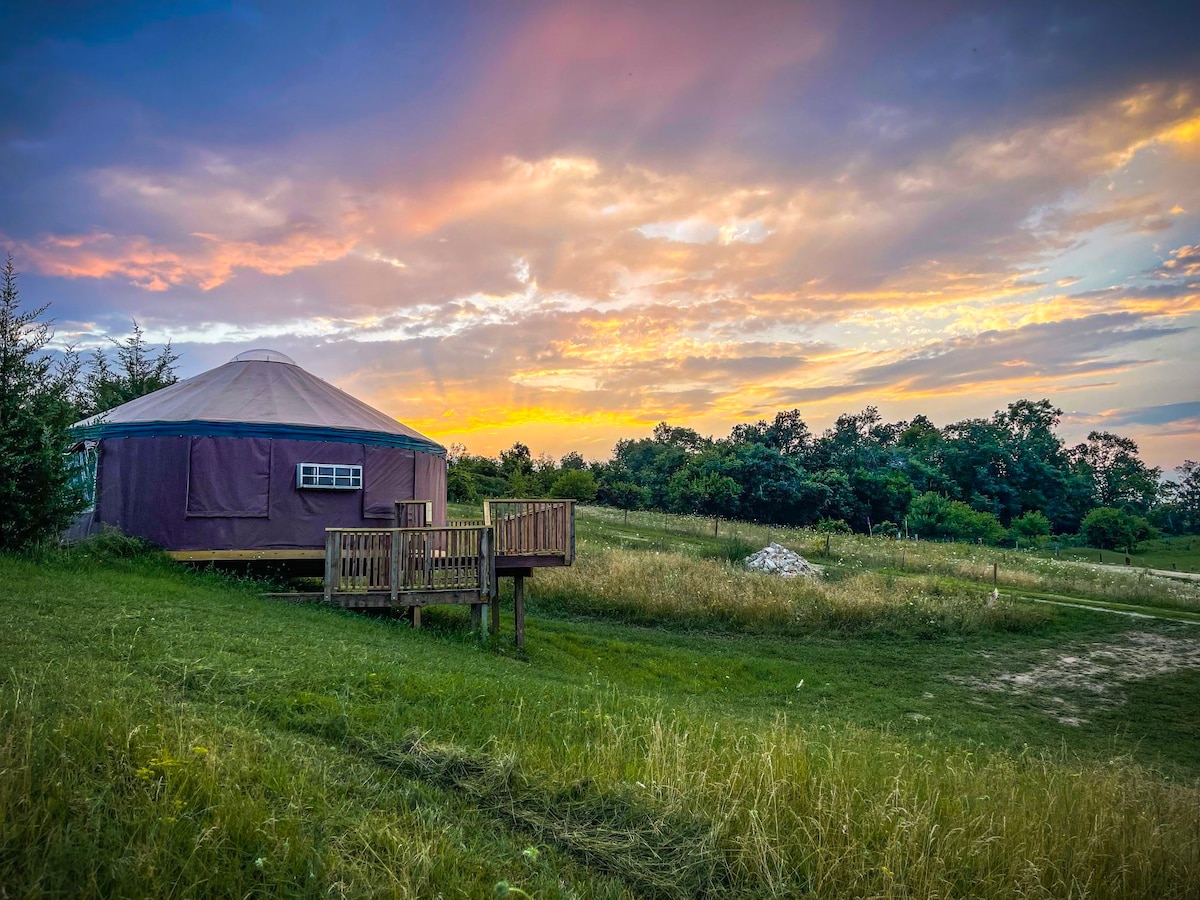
(560, 223)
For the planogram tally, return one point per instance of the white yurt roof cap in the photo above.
(263, 355)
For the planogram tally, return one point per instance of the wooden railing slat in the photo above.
(531, 527)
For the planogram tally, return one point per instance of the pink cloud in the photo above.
(208, 261)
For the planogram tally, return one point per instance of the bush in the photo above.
(1112, 529)
(1032, 527)
(461, 487)
(933, 516)
(834, 526)
(623, 494)
(575, 484)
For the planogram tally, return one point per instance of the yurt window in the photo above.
(329, 477)
(83, 472)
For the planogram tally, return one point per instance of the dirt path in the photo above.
(1075, 679)
(1171, 573)
(1141, 612)
(1162, 573)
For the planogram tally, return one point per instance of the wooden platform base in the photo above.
(243, 555)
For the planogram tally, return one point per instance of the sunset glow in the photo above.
(561, 223)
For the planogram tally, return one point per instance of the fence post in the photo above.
(394, 568)
(427, 550)
(330, 536)
(995, 574)
(570, 510)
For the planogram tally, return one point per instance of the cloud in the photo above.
(1183, 263)
(1166, 414)
(207, 260)
(1036, 357)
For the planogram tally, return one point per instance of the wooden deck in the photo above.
(458, 563)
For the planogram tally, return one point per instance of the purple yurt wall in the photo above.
(257, 454)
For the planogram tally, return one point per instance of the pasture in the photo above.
(676, 727)
(1175, 553)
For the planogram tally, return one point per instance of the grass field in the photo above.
(676, 728)
(1178, 553)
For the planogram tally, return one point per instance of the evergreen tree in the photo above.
(137, 372)
(37, 497)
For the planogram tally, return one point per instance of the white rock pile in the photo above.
(779, 560)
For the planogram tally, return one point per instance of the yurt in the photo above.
(253, 458)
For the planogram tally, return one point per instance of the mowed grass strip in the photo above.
(315, 722)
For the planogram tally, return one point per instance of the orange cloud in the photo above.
(209, 262)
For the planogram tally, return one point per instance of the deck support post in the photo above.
(519, 609)
(494, 613)
(477, 618)
(330, 537)
(416, 617)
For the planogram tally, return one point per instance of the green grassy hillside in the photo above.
(1181, 554)
(166, 733)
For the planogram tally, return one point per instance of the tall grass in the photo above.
(660, 588)
(685, 805)
(142, 797)
(853, 814)
(601, 527)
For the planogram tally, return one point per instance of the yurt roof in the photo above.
(257, 393)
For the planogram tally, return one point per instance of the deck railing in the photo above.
(405, 560)
(532, 527)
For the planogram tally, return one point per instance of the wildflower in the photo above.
(800, 684)
(258, 863)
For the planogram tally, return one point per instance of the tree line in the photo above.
(1009, 477)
